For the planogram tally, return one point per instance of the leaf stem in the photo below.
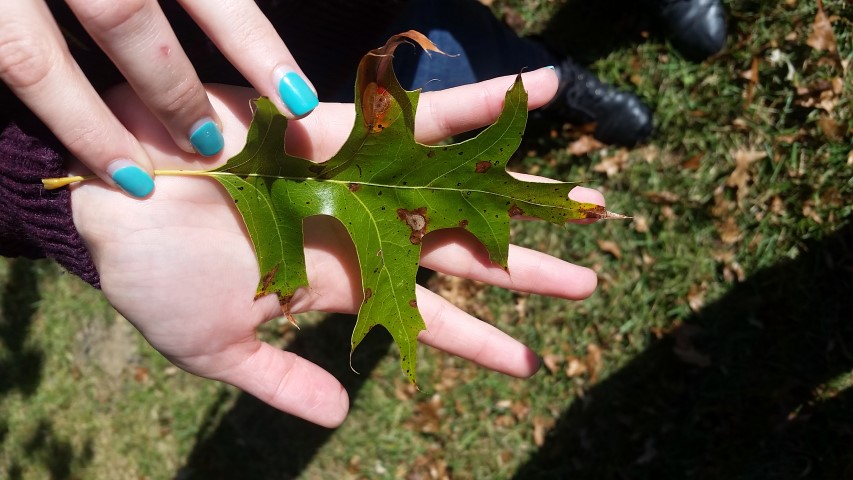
(59, 182)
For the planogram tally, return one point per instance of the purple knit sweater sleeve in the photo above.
(34, 222)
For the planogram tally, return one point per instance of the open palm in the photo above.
(180, 266)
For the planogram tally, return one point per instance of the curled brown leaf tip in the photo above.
(284, 301)
(598, 212)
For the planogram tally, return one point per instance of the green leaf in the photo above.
(388, 191)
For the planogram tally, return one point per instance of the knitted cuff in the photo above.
(34, 222)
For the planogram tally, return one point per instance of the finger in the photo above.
(454, 331)
(36, 64)
(458, 253)
(246, 37)
(440, 114)
(138, 38)
(287, 382)
(455, 110)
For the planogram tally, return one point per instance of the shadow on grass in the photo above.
(253, 440)
(22, 372)
(22, 365)
(762, 407)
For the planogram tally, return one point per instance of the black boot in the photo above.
(620, 117)
(696, 28)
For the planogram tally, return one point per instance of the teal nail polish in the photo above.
(551, 67)
(134, 181)
(207, 139)
(296, 94)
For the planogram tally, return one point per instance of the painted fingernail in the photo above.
(551, 67)
(131, 178)
(296, 94)
(206, 138)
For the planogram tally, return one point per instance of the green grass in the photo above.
(723, 325)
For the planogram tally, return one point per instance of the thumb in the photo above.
(289, 383)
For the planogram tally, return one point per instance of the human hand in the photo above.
(35, 63)
(180, 266)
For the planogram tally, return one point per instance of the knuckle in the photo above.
(85, 141)
(108, 15)
(26, 57)
(181, 99)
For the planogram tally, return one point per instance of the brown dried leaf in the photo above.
(696, 297)
(693, 163)
(427, 415)
(663, 197)
(740, 176)
(541, 426)
(585, 144)
(576, 368)
(611, 247)
(752, 76)
(641, 224)
(552, 362)
(729, 231)
(832, 129)
(593, 361)
(822, 37)
(613, 164)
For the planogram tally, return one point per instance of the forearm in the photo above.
(34, 222)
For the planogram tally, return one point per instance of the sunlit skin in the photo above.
(180, 267)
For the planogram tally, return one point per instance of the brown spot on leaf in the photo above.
(431, 153)
(597, 212)
(515, 211)
(368, 292)
(417, 220)
(376, 103)
(463, 223)
(413, 303)
(354, 187)
(482, 167)
(267, 282)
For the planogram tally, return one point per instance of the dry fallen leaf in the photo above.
(752, 76)
(585, 144)
(611, 247)
(729, 231)
(613, 164)
(552, 362)
(593, 361)
(693, 163)
(576, 368)
(696, 297)
(832, 129)
(640, 223)
(541, 425)
(740, 176)
(822, 37)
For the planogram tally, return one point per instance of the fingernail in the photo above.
(296, 94)
(551, 67)
(131, 178)
(206, 138)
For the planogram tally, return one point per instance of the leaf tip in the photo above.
(598, 212)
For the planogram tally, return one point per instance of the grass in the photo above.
(718, 344)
